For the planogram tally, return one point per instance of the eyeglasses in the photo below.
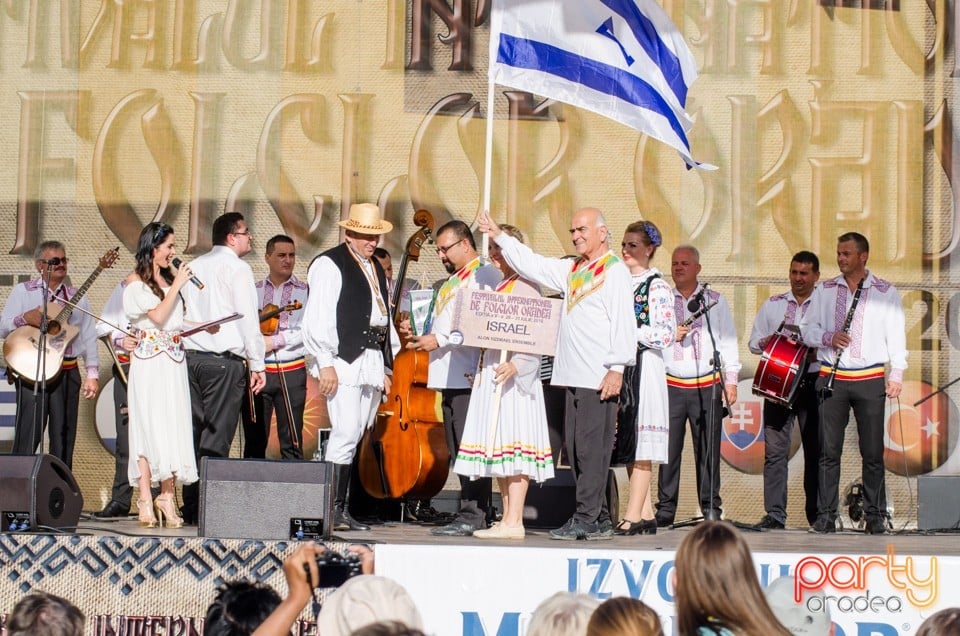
(444, 250)
(247, 233)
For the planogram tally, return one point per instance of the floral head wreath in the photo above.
(652, 233)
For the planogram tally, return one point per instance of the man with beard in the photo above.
(452, 365)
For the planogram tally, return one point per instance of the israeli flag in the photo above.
(624, 59)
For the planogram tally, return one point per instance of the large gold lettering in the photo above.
(459, 33)
(767, 38)
(184, 17)
(237, 16)
(939, 130)
(272, 177)
(120, 215)
(34, 165)
(204, 170)
(829, 187)
(775, 187)
(319, 55)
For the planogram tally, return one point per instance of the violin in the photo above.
(404, 453)
(270, 316)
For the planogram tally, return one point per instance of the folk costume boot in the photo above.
(341, 515)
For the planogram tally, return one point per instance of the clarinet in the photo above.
(827, 389)
(693, 317)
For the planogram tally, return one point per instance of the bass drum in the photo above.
(106, 417)
(781, 368)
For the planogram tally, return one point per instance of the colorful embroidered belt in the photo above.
(692, 383)
(124, 358)
(288, 365)
(855, 375)
(153, 342)
(69, 363)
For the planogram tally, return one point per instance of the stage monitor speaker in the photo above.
(938, 502)
(552, 503)
(37, 491)
(265, 499)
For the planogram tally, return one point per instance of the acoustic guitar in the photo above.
(21, 346)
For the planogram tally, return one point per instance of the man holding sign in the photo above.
(453, 365)
(596, 342)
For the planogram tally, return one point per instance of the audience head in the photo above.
(946, 622)
(365, 600)
(42, 614)
(563, 614)
(388, 628)
(797, 617)
(624, 616)
(239, 608)
(716, 584)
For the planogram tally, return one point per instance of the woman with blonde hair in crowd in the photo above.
(717, 591)
(562, 614)
(624, 616)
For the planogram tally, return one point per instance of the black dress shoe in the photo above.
(824, 525)
(648, 526)
(876, 525)
(454, 529)
(113, 510)
(768, 523)
(663, 522)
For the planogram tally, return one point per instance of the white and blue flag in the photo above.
(624, 59)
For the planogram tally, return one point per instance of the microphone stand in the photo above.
(40, 382)
(710, 462)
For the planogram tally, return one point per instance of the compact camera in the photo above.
(336, 568)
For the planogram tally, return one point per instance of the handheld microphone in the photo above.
(697, 301)
(176, 262)
(53, 261)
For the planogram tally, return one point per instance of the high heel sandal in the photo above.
(648, 526)
(145, 506)
(165, 508)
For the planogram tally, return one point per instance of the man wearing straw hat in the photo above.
(353, 345)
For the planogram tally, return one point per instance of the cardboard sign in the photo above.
(511, 322)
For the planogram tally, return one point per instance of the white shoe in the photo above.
(501, 531)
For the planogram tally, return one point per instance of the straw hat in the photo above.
(365, 219)
(364, 600)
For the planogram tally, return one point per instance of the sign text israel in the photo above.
(512, 322)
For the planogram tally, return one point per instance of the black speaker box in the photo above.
(265, 498)
(552, 503)
(37, 490)
(938, 502)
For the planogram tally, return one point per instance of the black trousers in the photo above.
(589, 427)
(270, 400)
(866, 398)
(692, 405)
(121, 492)
(475, 494)
(218, 384)
(62, 407)
(778, 423)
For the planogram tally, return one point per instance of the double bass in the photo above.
(404, 453)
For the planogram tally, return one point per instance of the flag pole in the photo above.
(488, 161)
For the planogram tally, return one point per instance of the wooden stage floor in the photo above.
(907, 542)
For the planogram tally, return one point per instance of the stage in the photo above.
(132, 580)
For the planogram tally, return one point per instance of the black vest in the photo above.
(355, 305)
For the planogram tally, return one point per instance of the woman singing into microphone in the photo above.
(161, 429)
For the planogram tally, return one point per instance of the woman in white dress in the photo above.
(643, 399)
(160, 425)
(520, 449)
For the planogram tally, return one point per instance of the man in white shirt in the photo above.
(597, 341)
(285, 391)
(691, 385)
(788, 309)
(865, 337)
(217, 362)
(452, 365)
(64, 391)
(348, 331)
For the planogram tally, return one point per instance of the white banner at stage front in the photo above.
(492, 591)
(511, 322)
